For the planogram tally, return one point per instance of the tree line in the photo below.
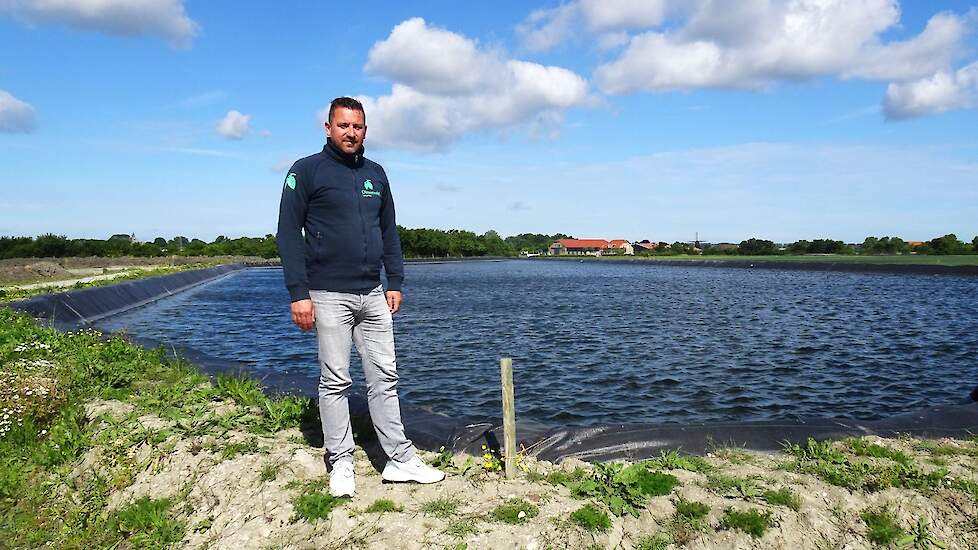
(415, 243)
(440, 243)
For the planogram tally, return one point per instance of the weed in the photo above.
(688, 509)
(316, 505)
(881, 526)
(461, 528)
(782, 497)
(734, 487)
(515, 511)
(861, 447)
(657, 541)
(243, 389)
(490, 459)
(562, 477)
(248, 446)
(752, 522)
(270, 471)
(147, 523)
(921, 537)
(441, 507)
(624, 489)
(672, 460)
(828, 463)
(283, 413)
(383, 505)
(444, 459)
(591, 519)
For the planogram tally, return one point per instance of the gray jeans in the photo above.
(366, 319)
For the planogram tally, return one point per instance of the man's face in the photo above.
(347, 129)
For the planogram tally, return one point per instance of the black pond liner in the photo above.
(430, 431)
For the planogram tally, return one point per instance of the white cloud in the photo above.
(16, 116)
(445, 86)
(234, 125)
(941, 92)
(164, 18)
(546, 28)
(751, 44)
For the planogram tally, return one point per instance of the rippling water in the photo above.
(596, 343)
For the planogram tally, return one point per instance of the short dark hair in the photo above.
(346, 103)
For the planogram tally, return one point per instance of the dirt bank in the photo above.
(20, 271)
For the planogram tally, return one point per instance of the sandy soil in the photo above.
(68, 271)
(226, 504)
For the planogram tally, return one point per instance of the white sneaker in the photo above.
(412, 470)
(341, 482)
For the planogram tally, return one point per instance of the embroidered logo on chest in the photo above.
(368, 189)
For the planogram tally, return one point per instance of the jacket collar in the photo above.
(353, 161)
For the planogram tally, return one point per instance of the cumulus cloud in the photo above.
(234, 125)
(16, 116)
(941, 92)
(163, 18)
(445, 86)
(546, 28)
(754, 44)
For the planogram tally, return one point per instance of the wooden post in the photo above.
(509, 417)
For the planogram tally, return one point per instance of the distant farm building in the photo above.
(589, 247)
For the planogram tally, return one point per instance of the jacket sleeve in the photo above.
(393, 260)
(291, 244)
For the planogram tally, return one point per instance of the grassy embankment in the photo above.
(956, 260)
(13, 293)
(105, 444)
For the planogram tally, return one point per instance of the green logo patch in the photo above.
(290, 181)
(368, 189)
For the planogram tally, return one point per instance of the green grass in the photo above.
(515, 511)
(147, 523)
(865, 472)
(269, 471)
(313, 506)
(862, 447)
(881, 526)
(672, 460)
(248, 446)
(691, 510)
(461, 528)
(383, 505)
(734, 487)
(752, 522)
(915, 259)
(46, 378)
(442, 507)
(561, 477)
(591, 519)
(782, 497)
(657, 541)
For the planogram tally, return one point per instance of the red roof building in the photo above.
(578, 247)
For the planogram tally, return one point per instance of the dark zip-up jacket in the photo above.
(344, 206)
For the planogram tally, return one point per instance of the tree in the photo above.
(800, 247)
(974, 244)
(948, 244)
(51, 246)
(757, 247)
(160, 242)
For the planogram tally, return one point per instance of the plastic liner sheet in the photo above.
(78, 308)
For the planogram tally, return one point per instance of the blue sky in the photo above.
(656, 119)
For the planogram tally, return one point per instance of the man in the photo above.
(342, 204)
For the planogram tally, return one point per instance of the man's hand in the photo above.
(304, 315)
(394, 300)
